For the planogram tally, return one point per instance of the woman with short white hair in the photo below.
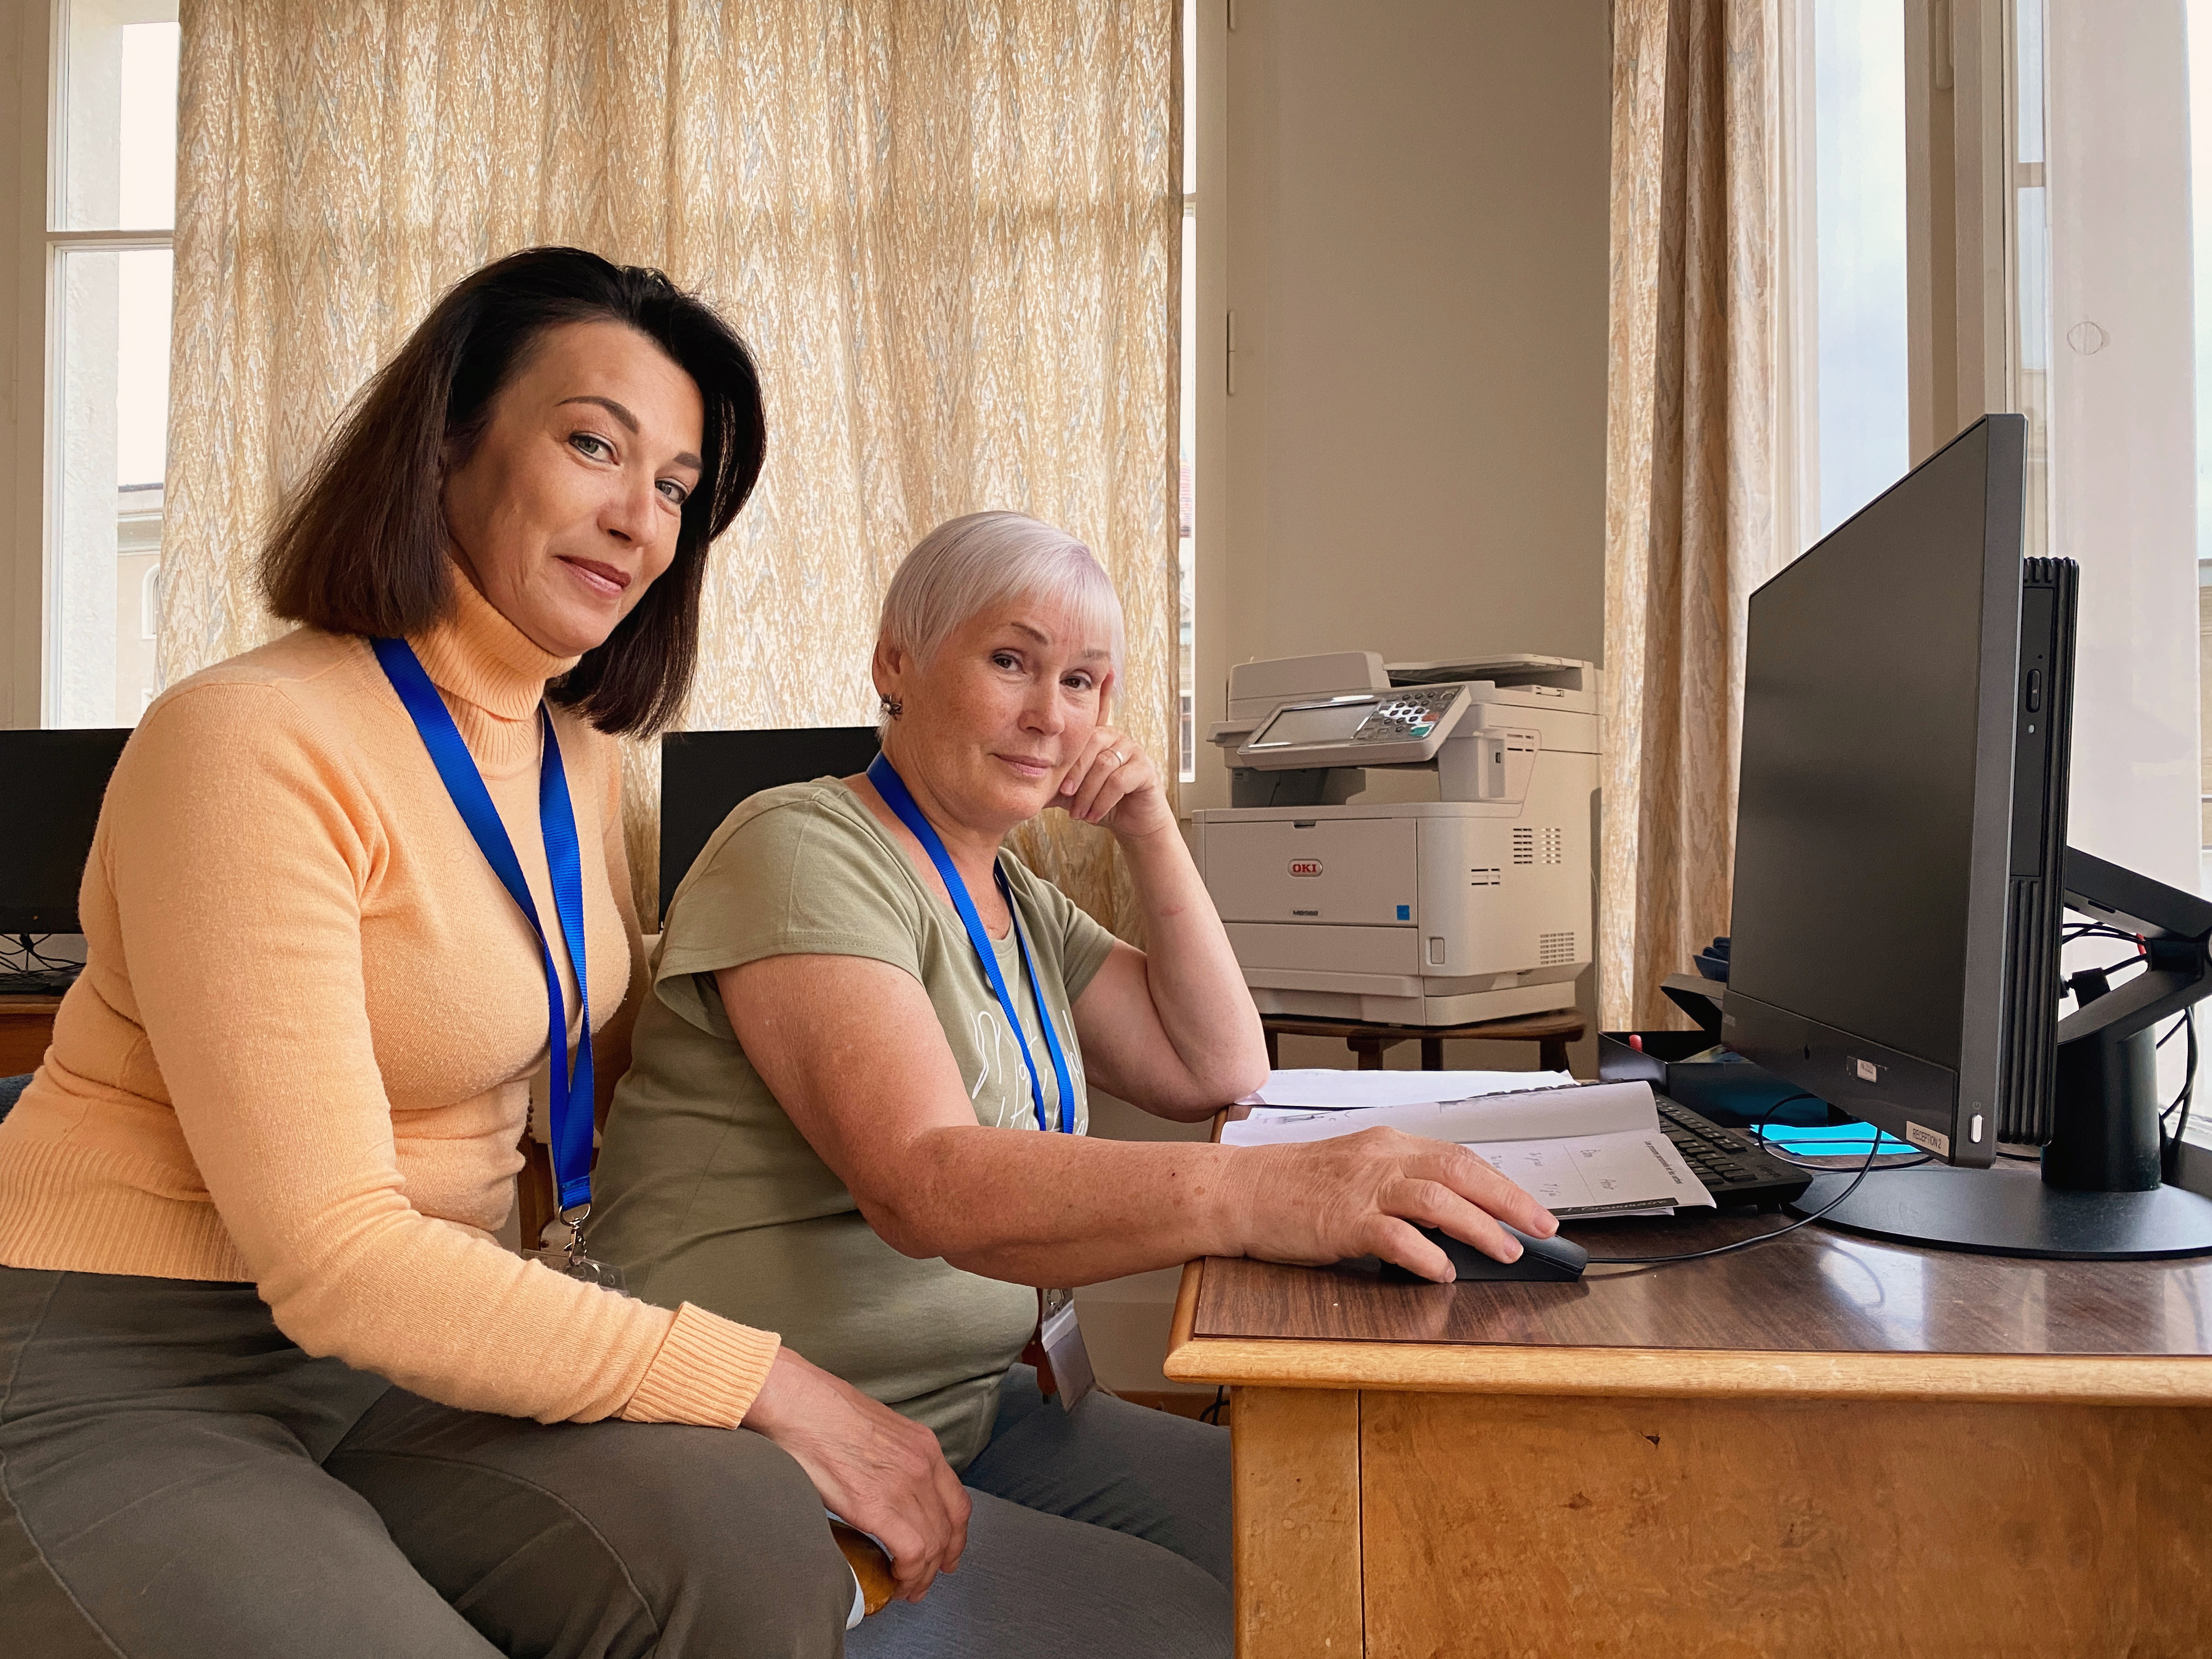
(860, 993)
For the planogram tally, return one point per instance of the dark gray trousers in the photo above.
(178, 1480)
(1097, 1533)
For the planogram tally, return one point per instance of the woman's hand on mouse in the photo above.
(879, 1472)
(1366, 1194)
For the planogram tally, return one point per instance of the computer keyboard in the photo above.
(1734, 1169)
(38, 981)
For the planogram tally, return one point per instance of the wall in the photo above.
(1405, 206)
(1413, 459)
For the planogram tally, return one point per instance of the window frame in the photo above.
(30, 359)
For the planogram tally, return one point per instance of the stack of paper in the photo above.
(1582, 1149)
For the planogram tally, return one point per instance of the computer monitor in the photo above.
(1902, 869)
(56, 783)
(704, 775)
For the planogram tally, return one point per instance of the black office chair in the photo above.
(704, 775)
(11, 1090)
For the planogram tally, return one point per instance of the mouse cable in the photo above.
(1760, 1139)
(1745, 1243)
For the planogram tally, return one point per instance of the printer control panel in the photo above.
(1403, 725)
(1412, 713)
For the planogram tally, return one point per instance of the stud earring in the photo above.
(892, 707)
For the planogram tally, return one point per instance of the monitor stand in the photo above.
(2101, 1193)
(2012, 1212)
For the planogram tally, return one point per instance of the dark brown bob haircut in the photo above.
(362, 546)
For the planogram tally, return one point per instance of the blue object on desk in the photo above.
(1832, 1141)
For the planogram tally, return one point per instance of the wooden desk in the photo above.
(1551, 1033)
(26, 1027)
(1824, 1446)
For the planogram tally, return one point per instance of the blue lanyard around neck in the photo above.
(893, 789)
(569, 1095)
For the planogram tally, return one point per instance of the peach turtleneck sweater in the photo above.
(299, 1050)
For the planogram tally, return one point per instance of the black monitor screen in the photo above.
(704, 776)
(56, 781)
(1856, 816)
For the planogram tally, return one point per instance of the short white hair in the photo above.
(968, 565)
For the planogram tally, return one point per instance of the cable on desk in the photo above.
(1745, 1243)
(2169, 1145)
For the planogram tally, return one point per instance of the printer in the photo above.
(1343, 904)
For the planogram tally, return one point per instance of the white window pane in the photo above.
(118, 102)
(113, 363)
(2200, 202)
(1865, 411)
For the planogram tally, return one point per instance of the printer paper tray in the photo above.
(1366, 998)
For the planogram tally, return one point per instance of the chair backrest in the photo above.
(704, 775)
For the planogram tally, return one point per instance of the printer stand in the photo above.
(1551, 1033)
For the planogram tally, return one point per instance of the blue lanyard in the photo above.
(892, 789)
(569, 1096)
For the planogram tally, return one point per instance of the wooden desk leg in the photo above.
(1296, 1492)
(1433, 1054)
(1370, 1050)
(1552, 1053)
(1274, 1047)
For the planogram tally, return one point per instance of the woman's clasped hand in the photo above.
(876, 1470)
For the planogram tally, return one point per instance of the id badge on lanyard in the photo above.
(1063, 1363)
(1057, 1346)
(568, 1093)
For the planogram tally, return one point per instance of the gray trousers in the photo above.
(178, 1480)
(1099, 1533)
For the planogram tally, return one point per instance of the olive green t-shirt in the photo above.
(706, 1192)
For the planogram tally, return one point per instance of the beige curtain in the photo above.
(950, 231)
(1690, 526)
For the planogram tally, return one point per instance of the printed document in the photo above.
(1582, 1149)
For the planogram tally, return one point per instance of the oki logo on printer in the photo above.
(1305, 867)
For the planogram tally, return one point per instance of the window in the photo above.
(109, 220)
(2200, 207)
(1861, 388)
(2007, 205)
(1187, 425)
(2106, 195)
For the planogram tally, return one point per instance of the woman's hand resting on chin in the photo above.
(1115, 783)
(879, 1472)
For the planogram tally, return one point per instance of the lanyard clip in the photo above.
(569, 1258)
(574, 1218)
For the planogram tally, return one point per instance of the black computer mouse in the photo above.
(1541, 1259)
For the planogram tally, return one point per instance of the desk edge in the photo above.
(1186, 1305)
(1476, 1368)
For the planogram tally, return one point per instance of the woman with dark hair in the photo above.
(268, 1384)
